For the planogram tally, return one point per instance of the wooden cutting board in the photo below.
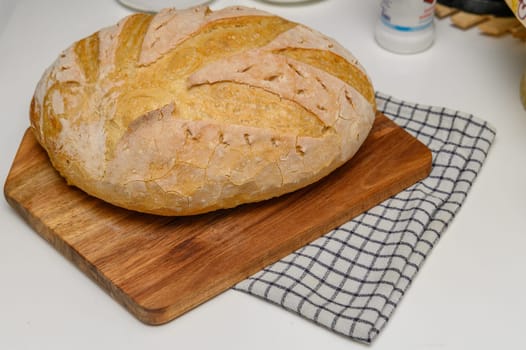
(160, 267)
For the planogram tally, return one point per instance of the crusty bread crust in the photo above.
(184, 112)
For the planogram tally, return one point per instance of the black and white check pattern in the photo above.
(351, 279)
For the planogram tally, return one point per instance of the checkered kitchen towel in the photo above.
(351, 279)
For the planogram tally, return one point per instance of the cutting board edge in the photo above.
(145, 315)
(164, 314)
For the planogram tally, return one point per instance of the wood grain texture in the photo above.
(160, 267)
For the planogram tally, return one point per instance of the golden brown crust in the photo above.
(190, 111)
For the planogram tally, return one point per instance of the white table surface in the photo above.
(470, 294)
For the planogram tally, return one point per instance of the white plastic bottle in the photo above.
(406, 26)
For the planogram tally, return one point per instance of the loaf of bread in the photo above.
(189, 111)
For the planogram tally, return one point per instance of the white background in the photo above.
(470, 294)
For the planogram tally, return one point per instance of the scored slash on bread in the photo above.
(194, 110)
